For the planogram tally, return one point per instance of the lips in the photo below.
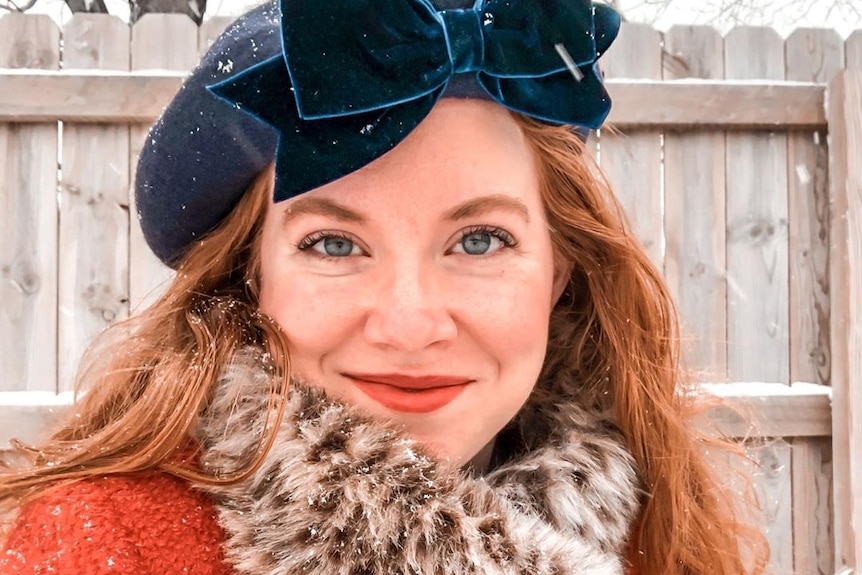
(410, 394)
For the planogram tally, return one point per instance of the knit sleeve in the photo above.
(69, 535)
(149, 524)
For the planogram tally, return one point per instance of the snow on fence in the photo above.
(739, 180)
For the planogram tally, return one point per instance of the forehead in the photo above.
(463, 149)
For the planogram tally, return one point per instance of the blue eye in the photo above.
(483, 241)
(478, 244)
(336, 247)
(330, 245)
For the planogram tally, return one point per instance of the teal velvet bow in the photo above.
(356, 76)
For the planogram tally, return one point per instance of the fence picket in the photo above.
(845, 141)
(694, 209)
(28, 218)
(774, 493)
(166, 42)
(811, 478)
(757, 317)
(757, 275)
(94, 208)
(632, 160)
(853, 51)
(813, 55)
(210, 30)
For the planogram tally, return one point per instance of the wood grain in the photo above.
(766, 469)
(686, 105)
(774, 493)
(752, 409)
(853, 51)
(632, 160)
(757, 274)
(813, 541)
(98, 97)
(845, 195)
(86, 96)
(94, 209)
(812, 55)
(695, 259)
(28, 220)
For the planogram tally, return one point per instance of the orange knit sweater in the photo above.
(152, 524)
(146, 525)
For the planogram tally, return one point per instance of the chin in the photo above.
(450, 450)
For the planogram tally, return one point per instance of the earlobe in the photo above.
(562, 277)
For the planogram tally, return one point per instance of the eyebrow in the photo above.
(320, 207)
(485, 204)
(469, 209)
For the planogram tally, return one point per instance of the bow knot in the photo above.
(356, 76)
(356, 56)
(465, 39)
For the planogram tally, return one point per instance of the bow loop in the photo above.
(521, 43)
(356, 76)
(350, 56)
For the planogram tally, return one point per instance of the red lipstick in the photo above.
(410, 394)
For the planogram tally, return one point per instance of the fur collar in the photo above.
(341, 494)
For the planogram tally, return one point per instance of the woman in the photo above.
(422, 341)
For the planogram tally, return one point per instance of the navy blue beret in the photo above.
(242, 107)
(202, 153)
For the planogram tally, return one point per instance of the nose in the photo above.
(409, 312)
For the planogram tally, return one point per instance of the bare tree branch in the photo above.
(725, 13)
(89, 6)
(11, 6)
(194, 9)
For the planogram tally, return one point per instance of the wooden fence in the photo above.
(742, 184)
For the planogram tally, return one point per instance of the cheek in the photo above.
(312, 312)
(511, 319)
(313, 319)
(304, 310)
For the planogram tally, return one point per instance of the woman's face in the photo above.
(419, 288)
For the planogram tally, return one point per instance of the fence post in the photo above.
(844, 116)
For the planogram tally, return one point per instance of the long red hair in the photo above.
(615, 329)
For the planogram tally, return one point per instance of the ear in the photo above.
(562, 276)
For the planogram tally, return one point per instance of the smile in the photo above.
(411, 394)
